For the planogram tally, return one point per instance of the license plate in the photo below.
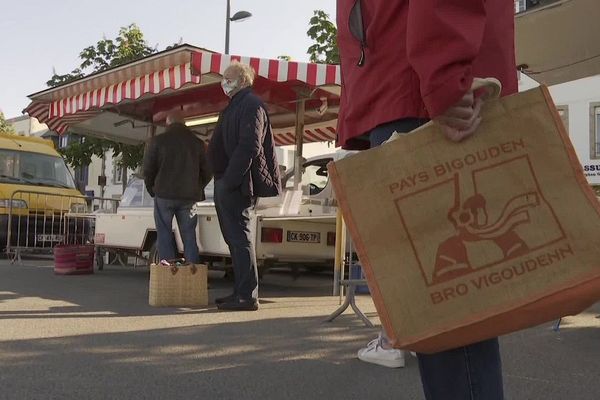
(50, 238)
(304, 237)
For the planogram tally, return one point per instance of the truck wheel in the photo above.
(117, 258)
(99, 259)
(153, 256)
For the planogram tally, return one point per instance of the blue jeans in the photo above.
(233, 211)
(473, 372)
(164, 211)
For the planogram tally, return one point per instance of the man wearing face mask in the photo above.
(242, 156)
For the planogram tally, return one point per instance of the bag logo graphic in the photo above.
(480, 219)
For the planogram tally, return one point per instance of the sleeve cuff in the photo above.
(444, 96)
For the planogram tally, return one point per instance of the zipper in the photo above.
(357, 29)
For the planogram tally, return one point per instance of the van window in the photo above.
(314, 177)
(136, 195)
(34, 169)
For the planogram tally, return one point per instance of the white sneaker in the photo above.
(374, 353)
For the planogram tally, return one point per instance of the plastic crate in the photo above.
(74, 259)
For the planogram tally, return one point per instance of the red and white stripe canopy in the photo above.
(88, 99)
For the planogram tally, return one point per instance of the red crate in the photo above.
(74, 259)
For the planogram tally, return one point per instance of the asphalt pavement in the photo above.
(96, 337)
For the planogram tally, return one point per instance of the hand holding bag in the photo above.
(465, 241)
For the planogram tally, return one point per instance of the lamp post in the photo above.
(238, 16)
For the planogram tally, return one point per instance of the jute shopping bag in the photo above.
(466, 241)
(178, 286)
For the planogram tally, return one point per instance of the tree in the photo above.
(324, 32)
(5, 127)
(128, 46)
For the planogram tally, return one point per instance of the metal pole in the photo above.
(227, 18)
(339, 252)
(299, 143)
(103, 173)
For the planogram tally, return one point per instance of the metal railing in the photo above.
(37, 221)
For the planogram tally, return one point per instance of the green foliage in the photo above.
(128, 46)
(79, 153)
(4, 126)
(324, 32)
(128, 156)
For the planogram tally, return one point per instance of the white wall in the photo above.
(27, 126)
(113, 188)
(577, 97)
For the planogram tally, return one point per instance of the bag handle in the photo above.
(492, 87)
(175, 269)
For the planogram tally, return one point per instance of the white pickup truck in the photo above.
(290, 229)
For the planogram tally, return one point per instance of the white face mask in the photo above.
(229, 86)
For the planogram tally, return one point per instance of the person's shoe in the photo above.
(374, 353)
(226, 299)
(239, 305)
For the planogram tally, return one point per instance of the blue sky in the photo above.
(37, 35)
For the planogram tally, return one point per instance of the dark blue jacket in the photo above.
(242, 149)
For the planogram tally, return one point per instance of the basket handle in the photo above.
(175, 269)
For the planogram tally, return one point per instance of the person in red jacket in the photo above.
(403, 63)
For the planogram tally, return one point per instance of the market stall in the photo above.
(129, 103)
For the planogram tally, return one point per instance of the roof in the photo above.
(154, 62)
(558, 42)
(27, 143)
(129, 101)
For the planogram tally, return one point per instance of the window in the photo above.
(34, 169)
(63, 141)
(136, 195)
(563, 111)
(314, 177)
(595, 131)
(7, 163)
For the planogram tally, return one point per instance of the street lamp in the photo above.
(238, 16)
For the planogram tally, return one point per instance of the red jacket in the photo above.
(420, 58)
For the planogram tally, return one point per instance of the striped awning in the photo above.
(314, 75)
(59, 114)
(320, 133)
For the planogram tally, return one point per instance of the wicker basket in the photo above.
(183, 286)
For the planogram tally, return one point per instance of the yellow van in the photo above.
(36, 187)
